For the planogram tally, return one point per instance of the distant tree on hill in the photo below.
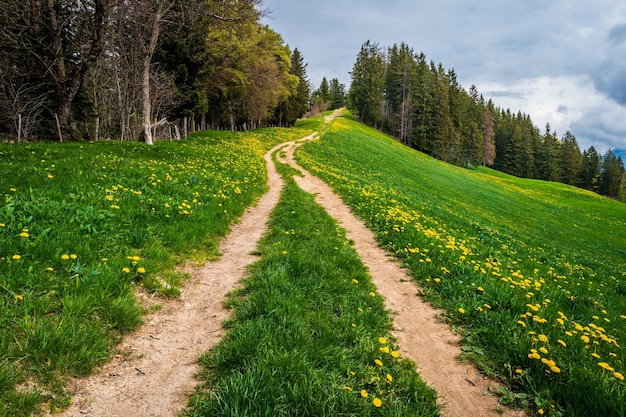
(571, 160)
(337, 94)
(367, 88)
(489, 147)
(611, 176)
(590, 169)
(296, 103)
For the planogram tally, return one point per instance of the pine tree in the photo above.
(571, 160)
(423, 93)
(488, 126)
(590, 169)
(366, 91)
(337, 94)
(612, 174)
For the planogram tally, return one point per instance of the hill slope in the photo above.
(534, 272)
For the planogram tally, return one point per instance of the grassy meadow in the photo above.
(84, 225)
(309, 335)
(531, 273)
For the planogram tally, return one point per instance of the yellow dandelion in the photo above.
(378, 362)
(126, 270)
(584, 338)
(382, 340)
(65, 256)
(355, 281)
(519, 371)
(562, 342)
(24, 234)
(141, 270)
(481, 289)
(618, 376)
(364, 393)
(377, 402)
(540, 411)
(543, 350)
(555, 369)
(49, 269)
(437, 280)
(461, 310)
(606, 366)
(384, 349)
(595, 355)
(16, 257)
(372, 294)
(19, 297)
(389, 378)
(73, 256)
(347, 388)
(543, 338)
(395, 354)
(521, 323)
(488, 306)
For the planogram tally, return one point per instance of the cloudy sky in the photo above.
(562, 62)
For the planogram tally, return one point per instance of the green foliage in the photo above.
(82, 226)
(366, 90)
(532, 272)
(307, 330)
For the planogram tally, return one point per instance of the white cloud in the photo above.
(566, 103)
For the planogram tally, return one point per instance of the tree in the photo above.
(488, 148)
(337, 94)
(590, 169)
(423, 106)
(571, 160)
(366, 90)
(548, 157)
(296, 103)
(53, 43)
(398, 90)
(611, 175)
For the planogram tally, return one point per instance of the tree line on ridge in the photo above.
(423, 105)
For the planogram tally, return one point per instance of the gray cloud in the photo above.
(618, 33)
(610, 75)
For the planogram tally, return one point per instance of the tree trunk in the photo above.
(146, 108)
(145, 73)
(19, 128)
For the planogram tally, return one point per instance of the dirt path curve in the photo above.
(463, 391)
(159, 374)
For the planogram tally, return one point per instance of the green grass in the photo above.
(304, 336)
(521, 266)
(83, 225)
